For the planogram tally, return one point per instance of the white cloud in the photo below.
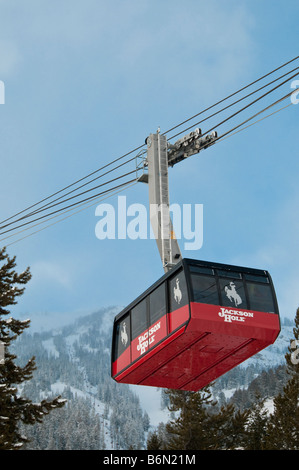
(188, 43)
(10, 58)
(50, 272)
(280, 255)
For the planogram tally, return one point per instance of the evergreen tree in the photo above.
(154, 442)
(146, 421)
(14, 408)
(292, 357)
(159, 438)
(227, 428)
(256, 430)
(191, 429)
(237, 433)
(200, 426)
(283, 429)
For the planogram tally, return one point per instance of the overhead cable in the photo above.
(49, 206)
(85, 206)
(241, 109)
(240, 99)
(71, 205)
(76, 182)
(255, 115)
(169, 130)
(63, 199)
(232, 94)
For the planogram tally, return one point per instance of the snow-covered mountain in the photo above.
(274, 355)
(74, 361)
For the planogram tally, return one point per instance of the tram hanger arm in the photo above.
(161, 155)
(185, 147)
(189, 145)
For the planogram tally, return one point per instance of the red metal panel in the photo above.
(148, 363)
(235, 322)
(178, 317)
(221, 365)
(215, 340)
(123, 361)
(149, 338)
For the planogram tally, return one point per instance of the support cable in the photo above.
(239, 100)
(55, 202)
(241, 109)
(50, 205)
(232, 94)
(71, 205)
(85, 206)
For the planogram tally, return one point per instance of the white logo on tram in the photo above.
(147, 338)
(232, 294)
(177, 292)
(123, 335)
(231, 315)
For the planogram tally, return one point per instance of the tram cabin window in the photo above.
(232, 291)
(204, 287)
(230, 274)
(122, 336)
(157, 304)
(178, 294)
(260, 297)
(256, 278)
(139, 319)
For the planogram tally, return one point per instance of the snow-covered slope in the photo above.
(76, 358)
(274, 354)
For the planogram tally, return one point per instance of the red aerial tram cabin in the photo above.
(197, 322)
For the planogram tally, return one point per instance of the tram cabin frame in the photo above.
(194, 324)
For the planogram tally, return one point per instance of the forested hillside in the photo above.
(74, 362)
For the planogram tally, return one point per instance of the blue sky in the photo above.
(86, 82)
